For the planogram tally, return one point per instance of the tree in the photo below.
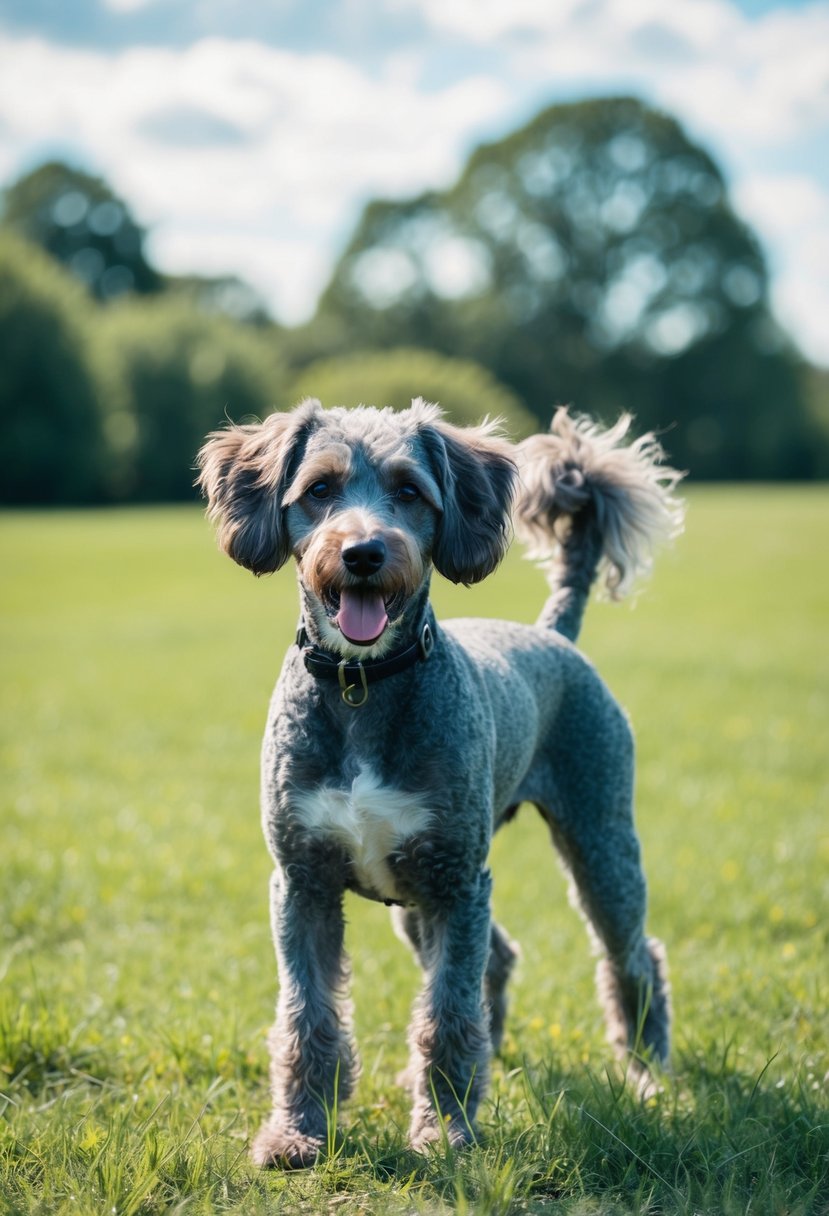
(80, 221)
(591, 257)
(816, 380)
(53, 448)
(464, 390)
(223, 296)
(175, 375)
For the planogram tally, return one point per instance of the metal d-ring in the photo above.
(350, 691)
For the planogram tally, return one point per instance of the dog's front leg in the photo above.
(449, 1037)
(313, 1062)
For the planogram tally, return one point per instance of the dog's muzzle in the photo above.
(362, 614)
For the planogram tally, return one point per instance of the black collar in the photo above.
(355, 676)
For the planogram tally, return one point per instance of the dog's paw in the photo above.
(284, 1148)
(428, 1130)
(646, 1079)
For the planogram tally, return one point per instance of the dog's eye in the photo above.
(408, 493)
(319, 489)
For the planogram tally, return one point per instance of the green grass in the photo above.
(136, 973)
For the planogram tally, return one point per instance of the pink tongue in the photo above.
(362, 616)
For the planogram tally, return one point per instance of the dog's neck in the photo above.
(355, 675)
(401, 633)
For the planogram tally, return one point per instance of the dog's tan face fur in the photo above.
(375, 490)
(314, 484)
(325, 576)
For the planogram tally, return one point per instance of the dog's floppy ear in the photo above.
(476, 474)
(244, 474)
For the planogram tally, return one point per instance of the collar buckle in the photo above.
(353, 694)
(354, 675)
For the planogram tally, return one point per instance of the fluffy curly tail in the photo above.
(590, 503)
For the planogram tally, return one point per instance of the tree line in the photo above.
(591, 257)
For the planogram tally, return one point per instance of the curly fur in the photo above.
(397, 799)
(591, 506)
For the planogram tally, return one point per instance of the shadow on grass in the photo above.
(714, 1139)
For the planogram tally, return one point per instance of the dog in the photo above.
(396, 746)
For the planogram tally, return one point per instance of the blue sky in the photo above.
(248, 135)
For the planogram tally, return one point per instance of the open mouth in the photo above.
(361, 613)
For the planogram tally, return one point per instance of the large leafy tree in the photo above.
(81, 222)
(591, 257)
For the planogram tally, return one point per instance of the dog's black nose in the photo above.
(364, 558)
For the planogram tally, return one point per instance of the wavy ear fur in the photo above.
(476, 473)
(244, 474)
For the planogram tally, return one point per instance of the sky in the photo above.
(247, 135)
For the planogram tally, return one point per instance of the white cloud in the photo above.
(244, 157)
(288, 272)
(783, 205)
(765, 78)
(770, 85)
(488, 21)
(238, 147)
(791, 215)
(128, 6)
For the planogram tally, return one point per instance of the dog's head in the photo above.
(366, 501)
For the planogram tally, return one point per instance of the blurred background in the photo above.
(212, 208)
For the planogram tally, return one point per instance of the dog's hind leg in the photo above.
(591, 820)
(313, 1060)
(503, 953)
(608, 887)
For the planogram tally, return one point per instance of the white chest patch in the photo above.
(370, 820)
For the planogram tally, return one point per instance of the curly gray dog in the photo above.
(395, 746)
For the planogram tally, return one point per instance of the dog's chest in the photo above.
(370, 820)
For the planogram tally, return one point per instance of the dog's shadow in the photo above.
(550, 1135)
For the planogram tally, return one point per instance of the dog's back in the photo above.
(396, 744)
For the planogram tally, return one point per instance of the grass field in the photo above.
(136, 973)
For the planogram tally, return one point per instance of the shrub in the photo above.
(465, 390)
(53, 446)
